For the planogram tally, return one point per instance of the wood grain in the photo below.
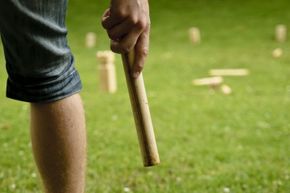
(141, 112)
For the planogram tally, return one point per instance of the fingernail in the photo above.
(136, 74)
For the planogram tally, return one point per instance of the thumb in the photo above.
(141, 53)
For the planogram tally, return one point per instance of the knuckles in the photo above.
(125, 48)
(104, 24)
(115, 49)
(136, 20)
(138, 23)
(141, 24)
(140, 66)
(112, 35)
(120, 48)
(121, 13)
(144, 52)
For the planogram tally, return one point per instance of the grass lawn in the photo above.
(208, 142)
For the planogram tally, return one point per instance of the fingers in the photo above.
(110, 20)
(141, 52)
(126, 44)
(124, 35)
(106, 13)
(119, 31)
(128, 25)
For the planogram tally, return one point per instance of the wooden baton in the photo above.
(141, 112)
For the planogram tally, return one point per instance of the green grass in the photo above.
(208, 142)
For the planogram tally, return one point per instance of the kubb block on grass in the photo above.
(277, 53)
(281, 33)
(210, 81)
(226, 89)
(194, 35)
(214, 83)
(107, 71)
(229, 72)
(90, 40)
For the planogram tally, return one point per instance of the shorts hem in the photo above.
(64, 87)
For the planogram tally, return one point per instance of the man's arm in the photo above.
(128, 25)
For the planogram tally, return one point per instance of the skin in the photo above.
(58, 132)
(127, 23)
(58, 138)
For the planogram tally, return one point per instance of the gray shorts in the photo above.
(39, 62)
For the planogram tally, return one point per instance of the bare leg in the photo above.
(59, 144)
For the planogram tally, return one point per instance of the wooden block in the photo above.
(277, 53)
(226, 89)
(108, 78)
(194, 35)
(281, 33)
(91, 39)
(209, 81)
(106, 56)
(229, 72)
(107, 72)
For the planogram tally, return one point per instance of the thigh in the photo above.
(33, 33)
(35, 46)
